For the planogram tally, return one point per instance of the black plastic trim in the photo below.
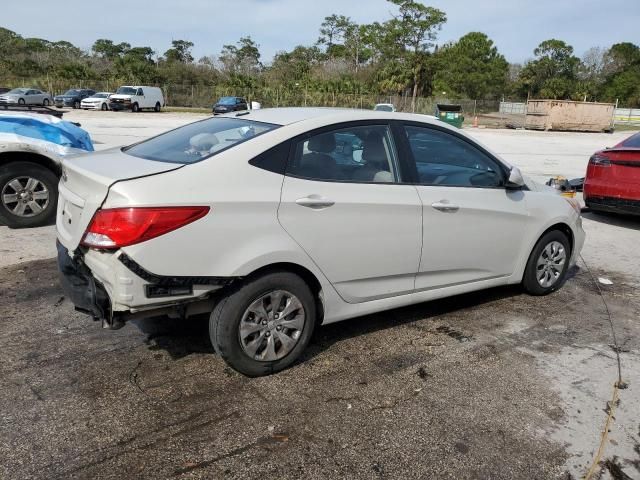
(177, 281)
(613, 204)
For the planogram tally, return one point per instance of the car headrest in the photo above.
(323, 143)
(203, 141)
(317, 166)
(373, 151)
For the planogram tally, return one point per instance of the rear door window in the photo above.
(359, 154)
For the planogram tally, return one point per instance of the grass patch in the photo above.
(187, 109)
(626, 128)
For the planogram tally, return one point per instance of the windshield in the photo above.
(227, 101)
(126, 91)
(197, 141)
(384, 108)
(100, 95)
(18, 91)
(72, 93)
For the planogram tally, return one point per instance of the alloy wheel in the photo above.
(25, 196)
(550, 264)
(271, 326)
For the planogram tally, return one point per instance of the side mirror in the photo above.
(515, 178)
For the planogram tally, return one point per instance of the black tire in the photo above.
(226, 316)
(45, 102)
(157, 107)
(135, 107)
(76, 105)
(530, 280)
(104, 107)
(14, 170)
(21, 101)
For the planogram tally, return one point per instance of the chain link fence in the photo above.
(204, 96)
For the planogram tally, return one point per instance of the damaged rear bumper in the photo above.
(113, 288)
(88, 295)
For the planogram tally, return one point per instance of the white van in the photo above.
(136, 98)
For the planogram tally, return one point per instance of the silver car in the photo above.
(26, 96)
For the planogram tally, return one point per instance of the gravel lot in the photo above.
(495, 384)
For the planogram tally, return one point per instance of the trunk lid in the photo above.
(85, 183)
(625, 164)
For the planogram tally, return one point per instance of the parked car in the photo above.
(97, 101)
(32, 146)
(384, 107)
(26, 96)
(73, 97)
(254, 220)
(137, 98)
(612, 182)
(230, 104)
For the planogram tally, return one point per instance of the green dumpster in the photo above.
(452, 114)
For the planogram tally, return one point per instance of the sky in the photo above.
(516, 26)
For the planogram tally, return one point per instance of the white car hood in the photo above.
(539, 187)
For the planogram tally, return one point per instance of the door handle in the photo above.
(445, 206)
(316, 202)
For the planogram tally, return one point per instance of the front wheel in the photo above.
(548, 263)
(28, 195)
(135, 107)
(263, 326)
(104, 107)
(21, 101)
(76, 105)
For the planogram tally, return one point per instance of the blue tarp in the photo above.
(59, 132)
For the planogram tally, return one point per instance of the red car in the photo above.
(612, 182)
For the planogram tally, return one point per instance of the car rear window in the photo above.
(632, 142)
(199, 140)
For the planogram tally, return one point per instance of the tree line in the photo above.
(397, 56)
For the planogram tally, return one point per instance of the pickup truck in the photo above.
(32, 146)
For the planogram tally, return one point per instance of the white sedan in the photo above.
(278, 220)
(98, 101)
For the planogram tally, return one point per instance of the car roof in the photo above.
(290, 115)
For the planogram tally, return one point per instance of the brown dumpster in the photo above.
(569, 115)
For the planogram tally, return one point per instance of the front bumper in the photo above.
(64, 103)
(119, 106)
(579, 237)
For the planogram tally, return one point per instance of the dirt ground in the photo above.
(469, 388)
(491, 385)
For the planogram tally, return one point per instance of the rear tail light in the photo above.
(114, 228)
(600, 159)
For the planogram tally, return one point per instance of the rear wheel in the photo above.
(262, 326)
(45, 102)
(28, 195)
(157, 107)
(548, 263)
